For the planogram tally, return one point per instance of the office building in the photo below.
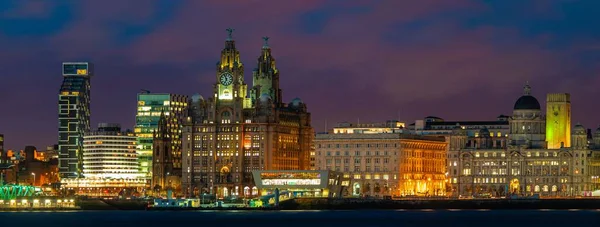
(233, 133)
(73, 117)
(384, 160)
(150, 106)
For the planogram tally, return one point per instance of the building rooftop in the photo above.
(358, 136)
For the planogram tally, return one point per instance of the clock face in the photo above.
(226, 79)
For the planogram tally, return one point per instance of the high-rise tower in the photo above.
(150, 107)
(73, 117)
(558, 120)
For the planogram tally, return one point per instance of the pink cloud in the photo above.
(456, 61)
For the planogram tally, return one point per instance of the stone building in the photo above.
(382, 160)
(521, 163)
(236, 130)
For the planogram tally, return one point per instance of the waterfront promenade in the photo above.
(357, 204)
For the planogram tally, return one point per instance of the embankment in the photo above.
(100, 204)
(357, 204)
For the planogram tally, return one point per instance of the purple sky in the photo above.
(373, 60)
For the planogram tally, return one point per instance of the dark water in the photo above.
(424, 218)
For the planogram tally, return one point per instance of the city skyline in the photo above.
(172, 58)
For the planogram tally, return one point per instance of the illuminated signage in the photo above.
(290, 175)
(292, 182)
(76, 69)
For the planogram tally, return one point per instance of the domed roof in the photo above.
(296, 101)
(197, 97)
(265, 97)
(579, 129)
(527, 102)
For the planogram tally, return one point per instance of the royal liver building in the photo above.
(238, 130)
(541, 154)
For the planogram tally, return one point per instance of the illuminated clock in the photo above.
(226, 79)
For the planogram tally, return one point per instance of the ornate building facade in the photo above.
(164, 173)
(383, 159)
(232, 133)
(521, 163)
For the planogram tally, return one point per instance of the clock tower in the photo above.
(265, 77)
(558, 120)
(226, 137)
(230, 72)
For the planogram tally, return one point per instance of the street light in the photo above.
(33, 179)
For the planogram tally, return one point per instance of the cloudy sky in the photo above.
(347, 59)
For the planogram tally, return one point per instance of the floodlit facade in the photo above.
(150, 106)
(522, 162)
(558, 120)
(110, 153)
(238, 130)
(73, 117)
(383, 159)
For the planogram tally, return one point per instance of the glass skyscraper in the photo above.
(150, 106)
(73, 117)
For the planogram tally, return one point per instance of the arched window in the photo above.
(537, 188)
(225, 114)
(225, 117)
(246, 191)
(254, 190)
(545, 188)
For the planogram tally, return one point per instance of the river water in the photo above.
(420, 218)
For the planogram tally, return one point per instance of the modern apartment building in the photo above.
(73, 117)
(110, 153)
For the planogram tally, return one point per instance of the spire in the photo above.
(162, 125)
(230, 56)
(266, 43)
(527, 89)
(229, 36)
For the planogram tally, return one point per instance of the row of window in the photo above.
(358, 153)
(358, 145)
